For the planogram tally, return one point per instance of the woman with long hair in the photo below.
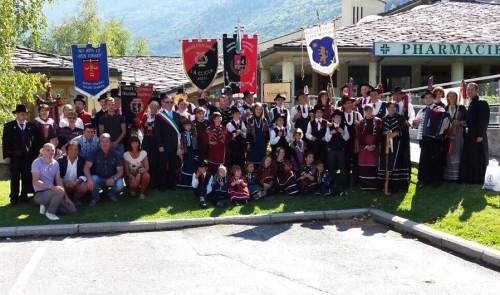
(258, 134)
(325, 103)
(454, 136)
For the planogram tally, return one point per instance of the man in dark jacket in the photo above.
(18, 151)
(167, 134)
(475, 156)
(71, 170)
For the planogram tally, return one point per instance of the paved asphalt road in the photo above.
(344, 257)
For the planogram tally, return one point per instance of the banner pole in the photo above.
(332, 93)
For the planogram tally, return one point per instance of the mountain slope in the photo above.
(164, 23)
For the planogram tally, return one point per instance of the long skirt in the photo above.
(453, 156)
(150, 146)
(187, 169)
(368, 169)
(287, 183)
(216, 156)
(258, 147)
(398, 173)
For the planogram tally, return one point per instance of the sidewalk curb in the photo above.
(434, 237)
(437, 238)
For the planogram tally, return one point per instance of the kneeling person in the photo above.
(104, 169)
(71, 171)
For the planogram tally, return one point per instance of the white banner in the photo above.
(322, 48)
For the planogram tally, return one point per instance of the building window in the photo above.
(396, 76)
(359, 74)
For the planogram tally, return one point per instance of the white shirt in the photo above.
(411, 111)
(71, 172)
(230, 128)
(274, 138)
(309, 131)
(63, 122)
(329, 135)
(282, 109)
(19, 125)
(135, 163)
(304, 111)
(195, 182)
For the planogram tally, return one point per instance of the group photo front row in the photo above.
(238, 150)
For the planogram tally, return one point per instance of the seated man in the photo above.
(45, 171)
(71, 170)
(104, 169)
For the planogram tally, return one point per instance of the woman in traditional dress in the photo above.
(454, 137)
(217, 142)
(286, 179)
(368, 133)
(200, 125)
(258, 134)
(189, 147)
(397, 172)
(325, 103)
(148, 141)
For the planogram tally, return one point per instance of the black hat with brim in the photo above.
(115, 92)
(279, 96)
(234, 110)
(396, 90)
(20, 108)
(80, 98)
(203, 163)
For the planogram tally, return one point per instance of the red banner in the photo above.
(240, 67)
(200, 59)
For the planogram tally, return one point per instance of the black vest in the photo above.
(276, 114)
(337, 142)
(302, 122)
(282, 141)
(319, 133)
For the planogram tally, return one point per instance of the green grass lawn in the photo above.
(462, 210)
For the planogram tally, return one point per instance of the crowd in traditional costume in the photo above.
(242, 150)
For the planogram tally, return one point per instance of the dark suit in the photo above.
(19, 146)
(63, 166)
(166, 136)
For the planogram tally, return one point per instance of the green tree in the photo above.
(18, 20)
(87, 27)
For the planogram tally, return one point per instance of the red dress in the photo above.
(368, 132)
(216, 145)
(238, 192)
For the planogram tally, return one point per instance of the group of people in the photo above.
(238, 149)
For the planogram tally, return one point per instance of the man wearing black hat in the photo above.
(228, 92)
(280, 110)
(238, 132)
(246, 106)
(101, 112)
(18, 151)
(316, 131)
(301, 113)
(80, 104)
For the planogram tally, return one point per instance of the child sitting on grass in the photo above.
(306, 180)
(202, 183)
(266, 175)
(219, 187)
(253, 183)
(286, 180)
(238, 187)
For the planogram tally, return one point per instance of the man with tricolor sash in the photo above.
(167, 134)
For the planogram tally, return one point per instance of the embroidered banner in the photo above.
(200, 60)
(240, 62)
(322, 48)
(90, 69)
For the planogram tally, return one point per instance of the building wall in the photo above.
(354, 10)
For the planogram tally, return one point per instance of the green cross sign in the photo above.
(385, 48)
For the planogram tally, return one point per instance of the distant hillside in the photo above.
(165, 22)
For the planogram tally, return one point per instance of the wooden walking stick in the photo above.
(387, 151)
